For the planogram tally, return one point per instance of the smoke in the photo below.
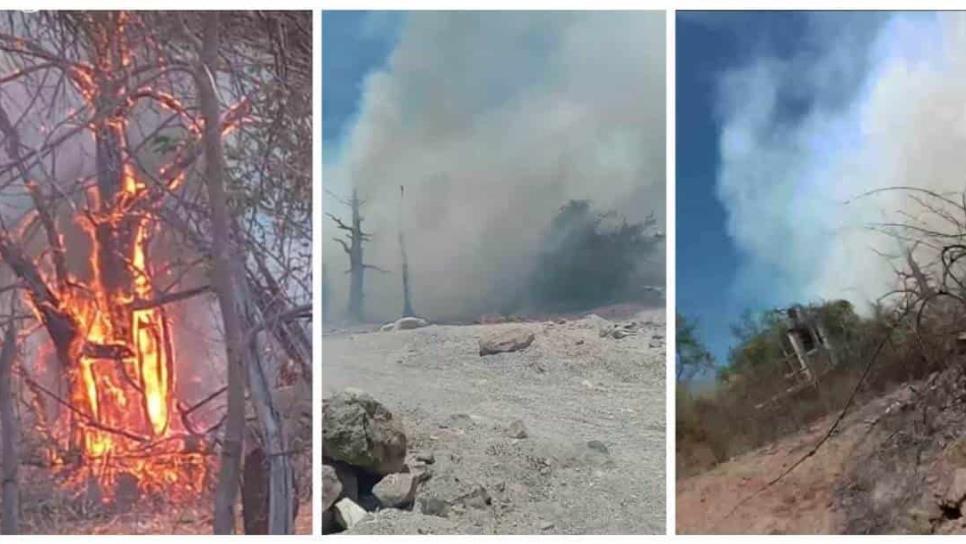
(492, 122)
(868, 102)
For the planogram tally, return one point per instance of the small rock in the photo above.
(546, 525)
(561, 321)
(407, 323)
(420, 471)
(597, 446)
(331, 487)
(517, 430)
(477, 498)
(404, 323)
(348, 513)
(427, 457)
(396, 490)
(432, 506)
(505, 341)
(580, 342)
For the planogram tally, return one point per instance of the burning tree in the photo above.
(150, 159)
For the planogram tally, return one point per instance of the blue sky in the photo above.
(716, 280)
(354, 43)
(708, 260)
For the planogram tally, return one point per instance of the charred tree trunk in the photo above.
(357, 265)
(357, 268)
(407, 301)
(325, 293)
(11, 437)
(226, 279)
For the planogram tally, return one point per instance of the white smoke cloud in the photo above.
(862, 117)
(492, 121)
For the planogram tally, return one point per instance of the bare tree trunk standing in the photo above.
(325, 293)
(11, 436)
(282, 501)
(353, 247)
(225, 280)
(281, 493)
(407, 301)
(357, 269)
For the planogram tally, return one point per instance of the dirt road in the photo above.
(593, 459)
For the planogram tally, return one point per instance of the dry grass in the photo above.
(47, 510)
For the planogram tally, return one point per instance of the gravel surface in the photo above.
(591, 408)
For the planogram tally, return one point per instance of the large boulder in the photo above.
(505, 340)
(358, 430)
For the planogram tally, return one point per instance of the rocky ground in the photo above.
(565, 435)
(896, 464)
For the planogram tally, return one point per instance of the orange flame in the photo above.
(121, 372)
(125, 394)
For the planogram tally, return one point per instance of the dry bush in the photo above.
(920, 321)
(730, 419)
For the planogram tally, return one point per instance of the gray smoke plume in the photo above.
(873, 102)
(493, 121)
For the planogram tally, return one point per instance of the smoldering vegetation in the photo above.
(519, 124)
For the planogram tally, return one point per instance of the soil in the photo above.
(882, 472)
(593, 457)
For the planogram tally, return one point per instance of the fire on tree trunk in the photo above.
(101, 250)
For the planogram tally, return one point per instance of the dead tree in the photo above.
(352, 245)
(325, 293)
(10, 437)
(407, 301)
(226, 276)
(251, 302)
